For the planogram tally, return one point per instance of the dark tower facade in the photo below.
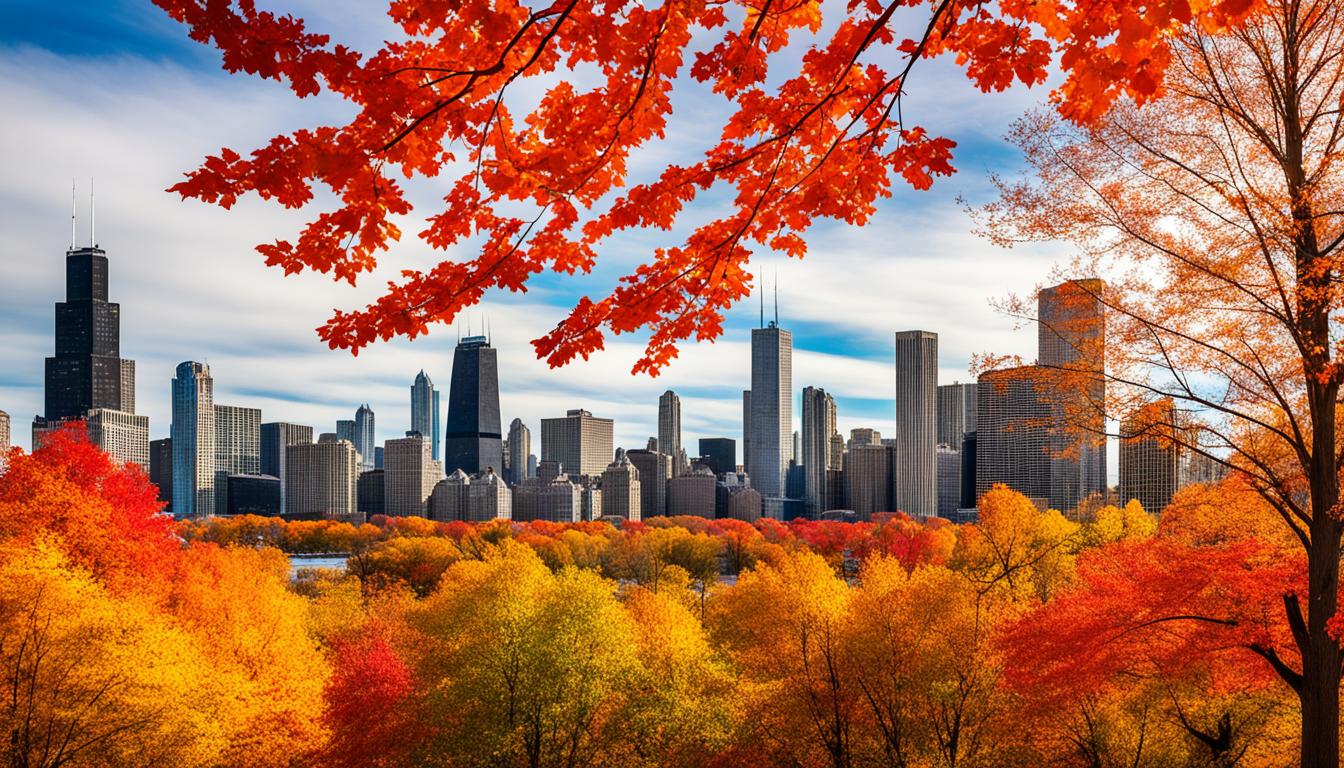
(472, 442)
(86, 371)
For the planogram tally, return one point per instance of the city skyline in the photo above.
(255, 327)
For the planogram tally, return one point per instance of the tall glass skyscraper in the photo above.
(520, 448)
(425, 411)
(364, 439)
(916, 475)
(669, 428)
(472, 442)
(193, 434)
(818, 427)
(770, 447)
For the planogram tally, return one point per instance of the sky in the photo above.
(113, 90)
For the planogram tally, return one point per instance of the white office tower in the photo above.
(409, 476)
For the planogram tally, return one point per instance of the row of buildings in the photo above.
(1039, 428)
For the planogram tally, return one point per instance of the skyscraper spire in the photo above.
(760, 291)
(72, 214)
(776, 297)
(93, 240)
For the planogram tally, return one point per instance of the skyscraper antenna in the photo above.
(93, 240)
(72, 214)
(776, 298)
(760, 291)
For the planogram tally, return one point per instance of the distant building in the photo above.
(557, 500)
(4, 440)
(739, 502)
(956, 413)
(123, 436)
(771, 422)
(87, 371)
(746, 430)
(321, 480)
(916, 469)
(425, 411)
(237, 448)
(275, 436)
(1013, 432)
(410, 473)
(345, 430)
(968, 469)
(161, 470)
(327, 437)
(369, 493)
(472, 441)
(621, 494)
(253, 495)
(477, 499)
(1160, 454)
(655, 469)
(365, 436)
(719, 454)
(949, 481)
(1072, 340)
(818, 421)
(520, 451)
(669, 428)
(193, 434)
(868, 479)
(581, 443)
(692, 494)
(864, 436)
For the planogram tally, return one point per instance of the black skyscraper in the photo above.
(720, 453)
(86, 372)
(472, 441)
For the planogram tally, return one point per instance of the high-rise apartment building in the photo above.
(655, 469)
(621, 495)
(956, 413)
(818, 420)
(425, 411)
(669, 428)
(365, 436)
(193, 434)
(321, 481)
(582, 443)
(161, 470)
(275, 437)
(472, 441)
(237, 448)
(520, 448)
(771, 424)
(410, 473)
(121, 435)
(916, 477)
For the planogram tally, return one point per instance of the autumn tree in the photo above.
(1215, 215)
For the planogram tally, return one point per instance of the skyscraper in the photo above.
(193, 435)
(655, 469)
(669, 428)
(322, 479)
(425, 411)
(237, 448)
(345, 430)
(818, 427)
(868, 479)
(956, 413)
(1160, 454)
(275, 437)
(87, 370)
(579, 441)
(621, 493)
(472, 439)
(916, 475)
(1072, 339)
(771, 409)
(121, 435)
(1013, 432)
(365, 437)
(520, 447)
(409, 474)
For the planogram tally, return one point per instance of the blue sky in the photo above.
(114, 90)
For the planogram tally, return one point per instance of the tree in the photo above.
(782, 626)
(543, 190)
(1015, 548)
(1216, 216)
(95, 678)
